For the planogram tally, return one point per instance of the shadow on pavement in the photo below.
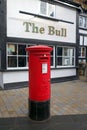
(63, 122)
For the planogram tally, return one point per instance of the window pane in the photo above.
(52, 53)
(12, 61)
(27, 62)
(59, 51)
(59, 61)
(51, 10)
(73, 61)
(12, 49)
(81, 40)
(80, 21)
(83, 51)
(43, 8)
(21, 61)
(66, 61)
(66, 51)
(84, 22)
(52, 56)
(85, 40)
(65, 56)
(80, 51)
(21, 50)
(71, 52)
(51, 61)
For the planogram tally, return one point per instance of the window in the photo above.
(16, 56)
(83, 22)
(47, 9)
(65, 56)
(43, 8)
(81, 40)
(85, 40)
(53, 56)
(82, 52)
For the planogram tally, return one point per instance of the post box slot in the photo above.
(43, 58)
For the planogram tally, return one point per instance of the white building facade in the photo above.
(35, 22)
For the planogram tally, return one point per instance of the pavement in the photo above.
(68, 108)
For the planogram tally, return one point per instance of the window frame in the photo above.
(8, 55)
(85, 40)
(27, 56)
(53, 66)
(84, 22)
(47, 10)
(67, 57)
(81, 56)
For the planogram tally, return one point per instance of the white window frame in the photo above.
(81, 56)
(67, 57)
(85, 40)
(47, 10)
(15, 68)
(53, 56)
(26, 67)
(84, 22)
(81, 40)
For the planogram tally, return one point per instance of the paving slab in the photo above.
(68, 108)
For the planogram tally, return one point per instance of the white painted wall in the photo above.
(13, 7)
(65, 13)
(13, 77)
(1, 80)
(68, 14)
(82, 31)
(63, 73)
(15, 28)
(15, 21)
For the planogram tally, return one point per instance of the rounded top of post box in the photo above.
(39, 48)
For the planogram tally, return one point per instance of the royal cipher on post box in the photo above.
(39, 82)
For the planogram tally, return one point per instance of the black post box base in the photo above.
(39, 111)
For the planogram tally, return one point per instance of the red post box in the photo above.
(39, 82)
